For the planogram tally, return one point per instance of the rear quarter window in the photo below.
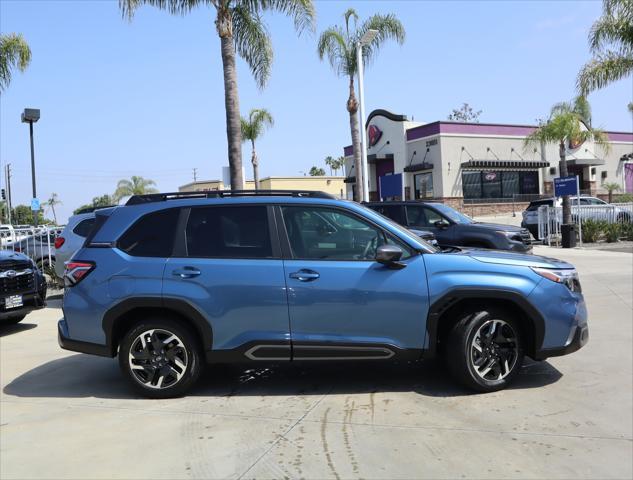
(84, 227)
(152, 235)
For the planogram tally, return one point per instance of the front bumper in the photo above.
(68, 343)
(32, 301)
(578, 338)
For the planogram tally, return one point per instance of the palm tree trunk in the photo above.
(232, 107)
(255, 163)
(562, 166)
(352, 108)
(54, 214)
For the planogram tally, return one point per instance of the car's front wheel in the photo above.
(160, 357)
(484, 350)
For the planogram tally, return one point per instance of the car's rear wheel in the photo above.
(160, 357)
(484, 350)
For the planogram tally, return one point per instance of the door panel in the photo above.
(338, 296)
(229, 268)
(424, 218)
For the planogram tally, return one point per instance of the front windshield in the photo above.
(453, 214)
(408, 233)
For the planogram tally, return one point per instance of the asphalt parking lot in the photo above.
(65, 415)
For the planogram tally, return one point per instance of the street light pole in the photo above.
(365, 40)
(30, 116)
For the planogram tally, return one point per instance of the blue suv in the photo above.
(172, 281)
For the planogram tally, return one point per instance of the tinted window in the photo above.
(340, 236)
(393, 212)
(229, 232)
(152, 235)
(83, 228)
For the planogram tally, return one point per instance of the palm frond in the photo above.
(332, 43)
(14, 53)
(388, 27)
(302, 12)
(350, 13)
(252, 43)
(604, 69)
(175, 7)
(258, 120)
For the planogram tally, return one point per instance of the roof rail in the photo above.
(162, 197)
(91, 209)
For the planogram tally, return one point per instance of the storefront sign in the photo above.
(391, 186)
(430, 143)
(565, 186)
(374, 135)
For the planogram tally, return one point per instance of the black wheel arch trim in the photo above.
(452, 297)
(180, 306)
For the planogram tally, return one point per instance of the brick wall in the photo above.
(482, 209)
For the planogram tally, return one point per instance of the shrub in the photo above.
(627, 231)
(592, 230)
(625, 198)
(612, 231)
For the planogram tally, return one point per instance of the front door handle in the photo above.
(305, 275)
(186, 272)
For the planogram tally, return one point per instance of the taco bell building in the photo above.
(481, 164)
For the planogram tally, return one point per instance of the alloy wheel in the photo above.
(494, 350)
(158, 358)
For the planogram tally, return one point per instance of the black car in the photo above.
(452, 228)
(22, 287)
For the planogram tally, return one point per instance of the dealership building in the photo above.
(478, 163)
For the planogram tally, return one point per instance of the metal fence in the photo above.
(35, 242)
(551, 218)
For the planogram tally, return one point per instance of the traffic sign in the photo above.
(35, 205)
(565, 186)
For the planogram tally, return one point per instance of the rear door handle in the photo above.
(305, 275)
(186, 272)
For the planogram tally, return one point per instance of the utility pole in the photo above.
(195, 174)
(30, 116)
(8, 183)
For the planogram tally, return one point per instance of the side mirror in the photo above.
(389, 255)
(441, 224)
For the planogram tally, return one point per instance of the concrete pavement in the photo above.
(65, 415)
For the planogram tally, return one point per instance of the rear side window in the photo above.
(535, 205)
(229, 232)
(84, 227)
(151, 236)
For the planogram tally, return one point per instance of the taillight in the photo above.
(17, 249)
(76, 271)
(59, 241)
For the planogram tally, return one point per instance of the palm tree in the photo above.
(339, 44)
(135, 186)
(241, 29)
(339, 163)
(14, 53)
(52, 201)
(330, 161)
(317, 172)
(567, 123)
(252, 128)
(611, 187)
(611, 43)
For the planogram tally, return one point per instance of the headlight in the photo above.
(515, 236)
(568, 277)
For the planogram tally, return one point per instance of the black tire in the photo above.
(185, 349)
(460, 354)
(13, 320)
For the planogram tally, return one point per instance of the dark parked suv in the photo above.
(171, 281)
(22, 287)
(452, 228)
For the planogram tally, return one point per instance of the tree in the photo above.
(338, 44)
(335, 164)
(252, 128)
(22, 215)
(567, 124)
(135, 186)
(241, 29)
(329, 161)
(317, 172)
(611, 43)
(52, 201)
(465, 113)
(611, 187)
(14, 53)
(98, 202)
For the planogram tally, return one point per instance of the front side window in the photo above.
(228, 232)
(151, 236)
(346, 237)
(394, 212)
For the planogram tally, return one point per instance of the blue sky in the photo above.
(146, 97)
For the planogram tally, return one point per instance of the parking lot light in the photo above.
(31, 116)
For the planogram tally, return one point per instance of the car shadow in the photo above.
(10, 329)
(79, 376)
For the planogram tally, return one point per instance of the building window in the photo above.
(498, 184)
(423, 183)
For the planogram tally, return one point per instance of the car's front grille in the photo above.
(16, 281)
(14, 265)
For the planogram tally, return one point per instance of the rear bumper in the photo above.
(578, 339)
(77, 345)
